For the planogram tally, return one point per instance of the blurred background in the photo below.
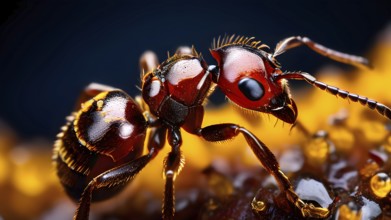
(49, 51)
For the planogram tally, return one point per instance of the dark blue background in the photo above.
(50, 50)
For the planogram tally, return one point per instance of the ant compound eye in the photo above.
(251, 88)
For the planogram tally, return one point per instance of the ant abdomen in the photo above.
(107, 131)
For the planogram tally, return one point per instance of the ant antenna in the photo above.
(372, 104)
(296, 41)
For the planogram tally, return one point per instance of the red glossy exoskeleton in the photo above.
(100, 148)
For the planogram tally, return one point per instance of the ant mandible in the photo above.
(100, 148)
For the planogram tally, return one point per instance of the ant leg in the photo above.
(372, 104)
(120, 175)
(295, 41)
(91, 91)
(185, 50)
(172, 166)
(148, 62)
(94, 89)
(221, 132)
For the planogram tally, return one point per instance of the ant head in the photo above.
(182, 77)
(246, 77)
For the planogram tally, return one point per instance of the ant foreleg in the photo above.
(372, 104)
(295, 41)
(221, 132)
(120, 175)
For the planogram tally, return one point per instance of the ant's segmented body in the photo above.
(100, 148)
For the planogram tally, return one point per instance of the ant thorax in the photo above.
(180, 83)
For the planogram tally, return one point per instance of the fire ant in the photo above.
(100, 148)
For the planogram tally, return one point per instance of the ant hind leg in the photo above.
(117, 176)
(120, 175)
